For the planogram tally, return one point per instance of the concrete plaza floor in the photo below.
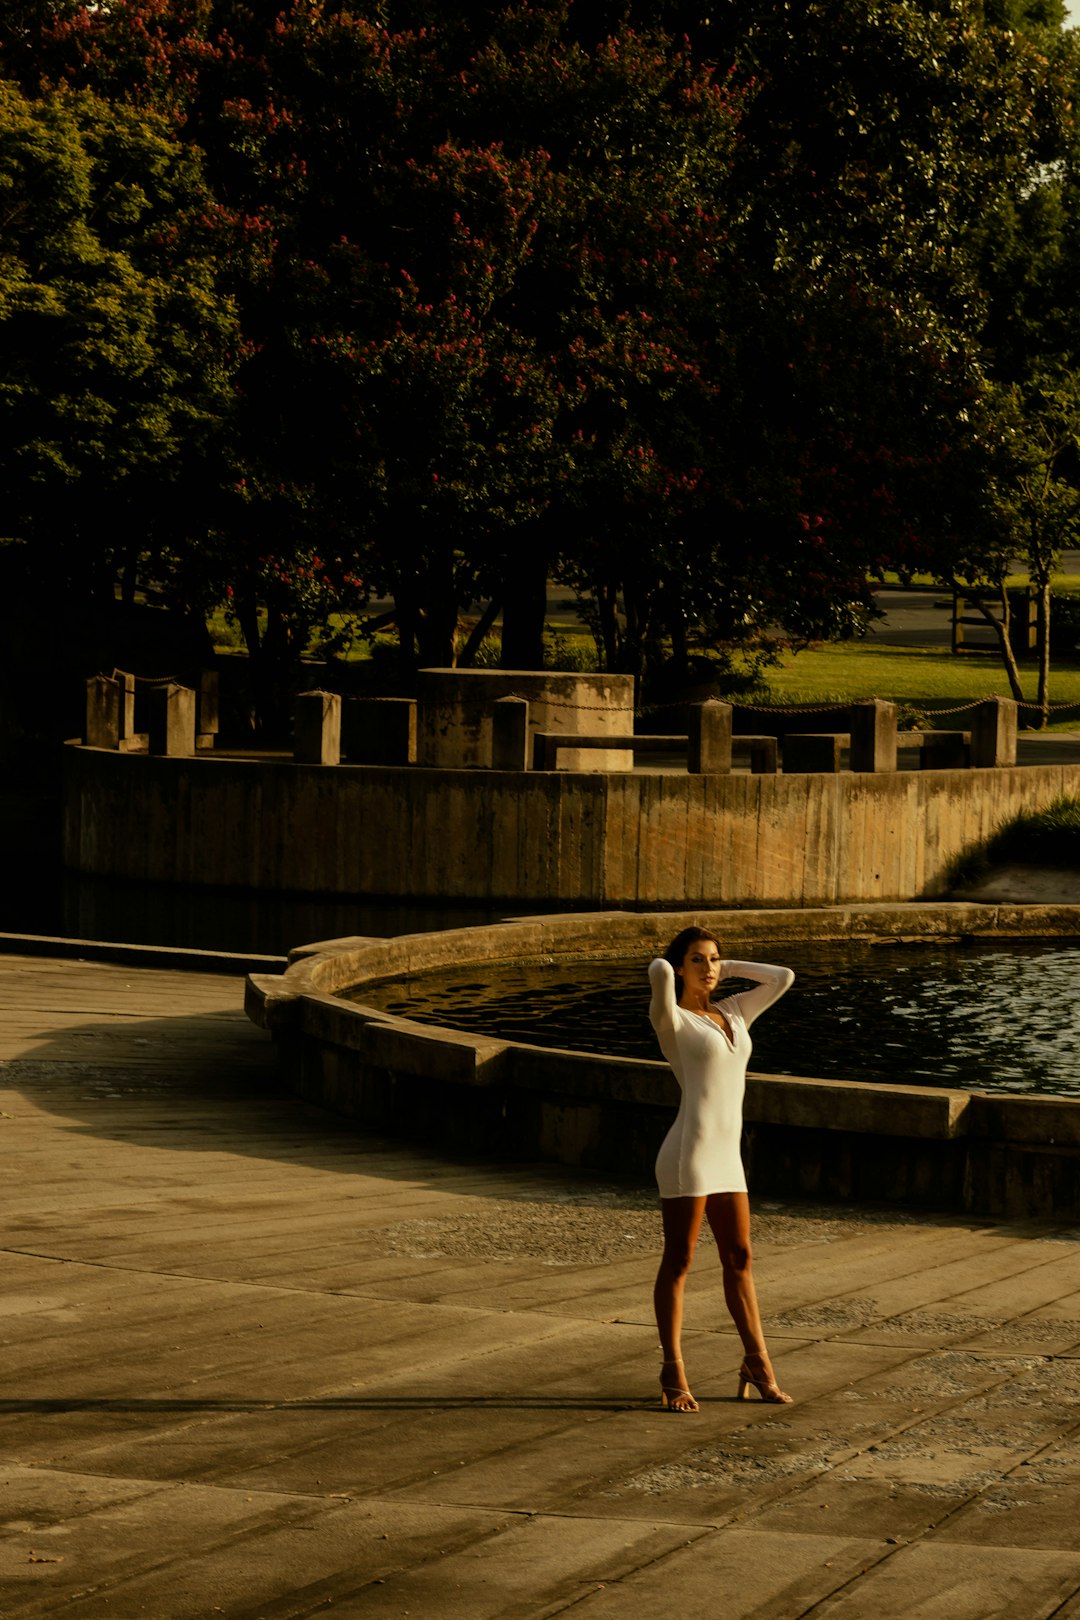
(258, 1364)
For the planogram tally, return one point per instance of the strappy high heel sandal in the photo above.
(765, 1384)
(675, 1397)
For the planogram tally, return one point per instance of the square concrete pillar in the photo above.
(207, 722)
(510, 734)
(379, 731)
(807, 751)
(709, 740)
(126, 683)
(993, 733)
(102, 712)
(873, 736)
(172, 720)
(317, 728)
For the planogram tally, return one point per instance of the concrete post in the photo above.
(510, 734)
(873, 736)
(207, 723)
(993, 733)
(102, 712)
(172, 720)
(379, 731)
(317, 729)
(709, 740)
(126, 684)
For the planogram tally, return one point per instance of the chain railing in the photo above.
(146, 680)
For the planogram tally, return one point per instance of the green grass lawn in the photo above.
(1061, 584)
(914, 677)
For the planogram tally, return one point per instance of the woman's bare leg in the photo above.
(682, 1223)
(728, 1215)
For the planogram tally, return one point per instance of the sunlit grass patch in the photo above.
(916, 677)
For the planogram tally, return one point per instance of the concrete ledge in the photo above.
(1046, 1121)
(940, 1147)
(859, 1106)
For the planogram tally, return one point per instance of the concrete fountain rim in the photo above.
(311, 992)
(979, 1151)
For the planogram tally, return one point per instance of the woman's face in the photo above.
(701, 966)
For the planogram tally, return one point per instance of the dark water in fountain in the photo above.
(983, 1016)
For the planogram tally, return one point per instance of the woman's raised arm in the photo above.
(772, 982)
(662, 1003)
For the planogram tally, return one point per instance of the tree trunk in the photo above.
(525, 608)
(606, 598)
(437, 624)
(1042, 636)
(641, 646)
(478, 633)
(680, 650)
(407, 615)
(129, 578)
(437, 636)
(1001, 628)
(274, 674)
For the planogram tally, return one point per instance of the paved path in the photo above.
(257, 1364)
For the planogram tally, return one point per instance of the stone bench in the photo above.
(761, 751)
(807, 752)
(941, 750)
(822, 751)
(546, 745)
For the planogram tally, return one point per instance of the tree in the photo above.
(117, 342)
(1043, 500)
(530, 289)
(1027, 251)
(483, 244)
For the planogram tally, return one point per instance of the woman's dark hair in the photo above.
(676, 951)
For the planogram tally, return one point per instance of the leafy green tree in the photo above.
(1027, 254)
(1042, 500)
(116, 341)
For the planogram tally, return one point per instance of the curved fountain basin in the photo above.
(840, 1138)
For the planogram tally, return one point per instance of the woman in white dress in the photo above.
(699, 1167)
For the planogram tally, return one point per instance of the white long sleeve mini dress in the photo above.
(700, 1154)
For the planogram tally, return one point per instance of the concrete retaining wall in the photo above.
(832, 1139)
(535, 838)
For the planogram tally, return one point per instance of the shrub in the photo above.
(1048, 837)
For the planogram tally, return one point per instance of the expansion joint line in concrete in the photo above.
(790, 1488)
(916, 1270)
(959, 1507)
(694, 1533)
(890, 1550)
(246, 1282)
(1065, 1604)
(304, 1512)
(191, 1276)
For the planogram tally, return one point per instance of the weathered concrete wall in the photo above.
(535, 838)
(942, 1148)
